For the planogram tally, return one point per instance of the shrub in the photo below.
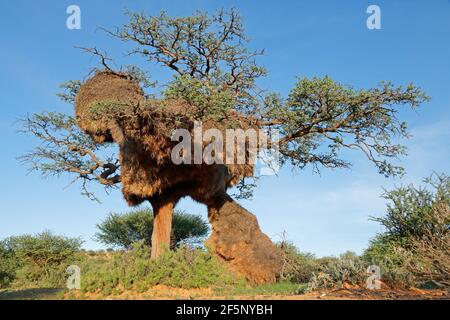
(41, 259)
(8, 265)
(334, 272)
(415, 247)
(122, 230)
(298, 267)
(185, 267)
(388, 253)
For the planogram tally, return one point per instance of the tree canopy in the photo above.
(214, 69)
(122, 230)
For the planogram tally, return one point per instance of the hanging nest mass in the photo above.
(111, 107)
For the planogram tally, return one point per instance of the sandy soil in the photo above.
(166, 293)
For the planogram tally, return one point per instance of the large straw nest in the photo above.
(142, 130)
(105, 87)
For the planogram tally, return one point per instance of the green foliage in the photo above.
(390, 255)
(412, 251)
(335, 272)
(122, 230)
(412, 211)
(415, 245)
(189, 229)
(138, 75)
(41, 259)
(106, 110)
(314, 274)
(298, 267)
(215, 71)
(134, 270)
(321, 110)
(211, 102)
(8, 265)
(210, 49)
(71, 89)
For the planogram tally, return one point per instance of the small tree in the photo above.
(122, 230)
(42, 257)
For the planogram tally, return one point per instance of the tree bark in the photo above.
(236, 238)
(162, 227)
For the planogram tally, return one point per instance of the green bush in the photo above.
(415, 248)
(41, 260)
(334, 272)
(321, 273)
(388, 253)
(122, 230)
(185, 267)
(8, 265)
(298, 267)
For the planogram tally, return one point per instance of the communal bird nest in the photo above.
(112, 107)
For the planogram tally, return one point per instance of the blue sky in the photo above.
(325, 214)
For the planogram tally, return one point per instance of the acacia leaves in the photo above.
(216, 72)
(321, 111)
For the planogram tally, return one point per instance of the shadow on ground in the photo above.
(32, 294)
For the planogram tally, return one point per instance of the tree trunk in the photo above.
(237, 239)
(162, 227)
